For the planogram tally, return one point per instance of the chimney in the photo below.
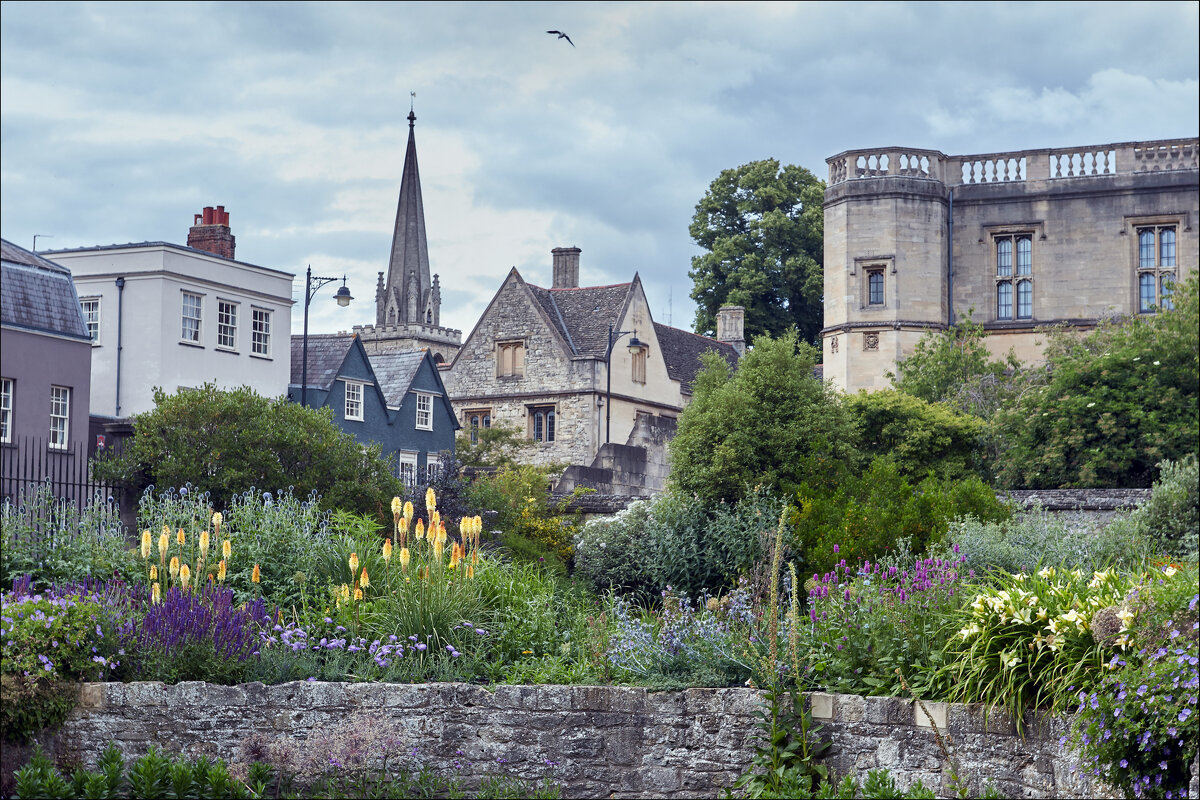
(566, 267)
(210, 232)
(731, 327)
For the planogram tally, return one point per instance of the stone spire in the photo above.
(407, 304)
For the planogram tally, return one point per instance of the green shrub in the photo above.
(520, 496)
(1170, 519)
(921, 436)
(614, 552)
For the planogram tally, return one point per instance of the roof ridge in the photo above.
(690, 333)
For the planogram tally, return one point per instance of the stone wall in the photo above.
(616, 742)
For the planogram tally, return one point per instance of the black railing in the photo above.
(28, 462)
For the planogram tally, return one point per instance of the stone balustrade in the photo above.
(1023, 165)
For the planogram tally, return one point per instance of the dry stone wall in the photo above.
(616, 742)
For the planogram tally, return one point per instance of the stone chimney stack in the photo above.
(566, 267)
(210, 232)
(731, 327)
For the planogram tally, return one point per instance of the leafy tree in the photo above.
(922, 437)
(762, 227)
(770, 424)
(497, 446)
(225, 442)
(954, 366)
(1115, 403)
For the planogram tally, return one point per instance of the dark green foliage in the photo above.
(762, 227)
(921, 436)
(770, 424)
(497, 446)
(1170, 519)
(30, 704)
(225, 442)
(1114, 404)
(867, 514)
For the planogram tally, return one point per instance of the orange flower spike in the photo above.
(420, 529)
(387, 551)
(353, 562)
(256, 575)
(181, 537)
(155, 593)
(404, 558)
(185, 576)
(164, 542)
(470, 571)
(226, 549)
(358, 594)
(174, 566)
(221, 572)
(364, 580)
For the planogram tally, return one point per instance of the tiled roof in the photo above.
(395, 373)
(583, 315)
(326, 352)
(682, 350)
(38, 294)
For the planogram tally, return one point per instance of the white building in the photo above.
(174, 316)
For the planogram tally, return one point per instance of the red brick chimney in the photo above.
(210, 232)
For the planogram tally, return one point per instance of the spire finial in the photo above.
(412, 118)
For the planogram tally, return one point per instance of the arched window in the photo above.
(1024, 255)
(1167, 288)
(1004, 257)
(1024, 299)
(1146, 292)
(1156, 268)
(875, 288)
(1004, 300)
(1146, 249)
(1166, 238)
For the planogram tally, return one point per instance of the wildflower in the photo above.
(358, 594)
(155, 593)
(387, 550)
(353, 562)
(203, 543)
(181, 537)
(185, 575)
(408, 510)
(397, 507)
(221, 571)
(364, 580)
(256, 575)
(453, 555)
(1009, 660)
(163, 544)
(404, 558)
(145, 544)
(1169, 570)
(420, 529)
(226, 549)
(174, 566)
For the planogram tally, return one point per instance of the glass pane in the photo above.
(876, 288)
(1168, 288)
(1024, 299)
(1167, 247)
(1004, 301)
(1004, 257)
(1145, 293)
(1146, 249)
(1024, 256)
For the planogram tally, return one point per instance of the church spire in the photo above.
(409, 261)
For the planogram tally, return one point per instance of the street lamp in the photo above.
(634, 346)
(343, 299)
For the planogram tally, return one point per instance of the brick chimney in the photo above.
(566, 267)
(731, 327)
(210, 232)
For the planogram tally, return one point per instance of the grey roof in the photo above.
(185, 248)
(395, 373)
(38, 294)
(326, 353)
(682, 350)
(583, 315)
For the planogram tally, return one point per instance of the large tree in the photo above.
(761, 225)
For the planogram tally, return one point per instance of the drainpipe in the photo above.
(950, 261)
(120, 302)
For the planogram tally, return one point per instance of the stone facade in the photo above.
(619, 742)
(915, 238)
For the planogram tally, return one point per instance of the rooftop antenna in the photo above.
(670, 303)
(37, 236)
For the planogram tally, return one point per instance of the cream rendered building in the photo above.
(1027, 239)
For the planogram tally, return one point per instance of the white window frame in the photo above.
(197, 320)
(433, 467)
(424, 411)
(353, 396)
(6, 410)
(60, 417)
(260, 332)
(90, 306)
(406, 467)
(227, 324)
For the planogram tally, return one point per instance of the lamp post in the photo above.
(343, 299)
(634, 346)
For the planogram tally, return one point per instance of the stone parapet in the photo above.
(618, 742)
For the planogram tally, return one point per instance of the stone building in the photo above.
(537, 360)
(1026, 239)
(408, 302)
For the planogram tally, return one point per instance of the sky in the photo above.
(119, 122)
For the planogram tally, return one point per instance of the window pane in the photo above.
(1004, 256)
(537, 426)
(1146, 249)
(1168, 289)
(875, 282)
(1024, 256)
(260, 336)
(6, 404)
(60, 410)
(549, 426)
(226, 325)
(1004, 300)
(191, 318)
(1145, 292)
(91, 315)
(1167, 247)
(1024, 299)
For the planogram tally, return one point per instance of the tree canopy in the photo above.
(762, 226)
(225, 442)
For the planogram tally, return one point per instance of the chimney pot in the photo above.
(210, 232)
(566, 267)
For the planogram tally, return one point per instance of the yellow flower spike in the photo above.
(353, 562)
(185, 576)
(221, 572)
(404, 558)
(153, 572)
(397, 507)
(217, 519)
(437, 549)
(430, 500)
(163, 543)
(181, 537)
(256, 574)
(203, 543)
(470, 571)
(435, 522)
(420, 529)
(442, 533)
(387, 551)
(145, 544)
(174, 566)
(364, 580)
(403, 530)
(156, 594)
(408, 510)
(358, 594)
(226, 549)
(454, 556)
(345, 593)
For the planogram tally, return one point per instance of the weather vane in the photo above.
(412, 101)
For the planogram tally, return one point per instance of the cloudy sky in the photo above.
(119, 122)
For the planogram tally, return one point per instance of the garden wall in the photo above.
(605, 741)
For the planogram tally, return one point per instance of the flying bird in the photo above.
(562, 35)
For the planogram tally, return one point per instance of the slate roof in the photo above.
(682, 350)
(395, 373)
(38, 294)
(583, 315)
(326, 352)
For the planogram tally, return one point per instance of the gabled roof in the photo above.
(37, 294)
(326, 354)
(395, 373)
(582, 315)
(682, 350)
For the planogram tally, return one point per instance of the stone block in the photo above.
(821, 705)
(930, 714)
(92, 695)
